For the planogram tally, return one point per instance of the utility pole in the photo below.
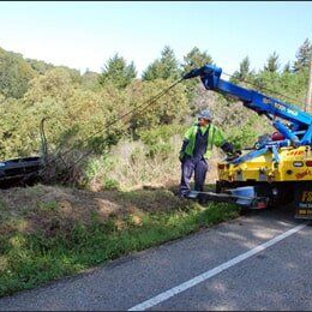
(309, 92)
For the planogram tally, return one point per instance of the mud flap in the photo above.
(303, 201)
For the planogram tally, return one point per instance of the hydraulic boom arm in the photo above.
(297, 133)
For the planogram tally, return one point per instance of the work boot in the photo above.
(183, 195)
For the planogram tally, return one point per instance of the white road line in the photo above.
(208, 274)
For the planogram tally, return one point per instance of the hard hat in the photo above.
(205, 114)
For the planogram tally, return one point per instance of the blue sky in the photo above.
(85, 34)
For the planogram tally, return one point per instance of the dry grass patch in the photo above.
(54, 208)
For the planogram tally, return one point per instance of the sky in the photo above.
(85, 34)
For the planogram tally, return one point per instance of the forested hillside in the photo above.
(142, 147)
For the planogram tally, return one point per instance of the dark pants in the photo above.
(188, 167)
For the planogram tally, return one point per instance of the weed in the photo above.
(48, 206)
(110, 184)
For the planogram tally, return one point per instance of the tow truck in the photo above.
(277, 170)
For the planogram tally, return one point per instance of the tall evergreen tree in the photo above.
(166, 67)
(287, 68)
(117, 72)
(272, 65)
(244, 73)
(303, 56)
(195, 58)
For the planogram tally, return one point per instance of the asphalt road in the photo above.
(222, 268)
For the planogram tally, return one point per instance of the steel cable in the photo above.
(139, 109)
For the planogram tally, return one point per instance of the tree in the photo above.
(73, 73)
(169, 109)
(166, 67)
(15, 74)
(90, 80)
(117, 72)
(40, 67)
(56, 83)
(195, 58)
(287, 68)
(272, 65)
(303, 56)
(244, 71)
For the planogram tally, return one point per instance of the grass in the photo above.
(42, 241)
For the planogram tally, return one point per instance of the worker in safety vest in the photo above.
(196, 149)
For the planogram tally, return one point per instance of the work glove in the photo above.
(227, 148)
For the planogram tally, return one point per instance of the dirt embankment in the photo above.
(54, 208)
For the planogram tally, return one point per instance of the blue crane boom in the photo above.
(299, 130)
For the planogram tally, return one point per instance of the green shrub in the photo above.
(110, 184)
(159, 140)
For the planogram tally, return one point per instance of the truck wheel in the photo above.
(285, 196)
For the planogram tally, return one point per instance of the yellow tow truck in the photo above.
(277, 170)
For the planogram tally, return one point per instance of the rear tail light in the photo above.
(221, 166)
(309, 163)
(261, 205)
